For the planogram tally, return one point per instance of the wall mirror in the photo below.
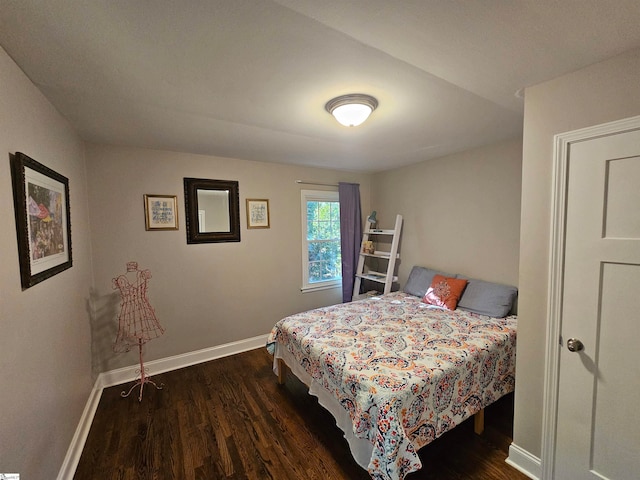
(212, 210)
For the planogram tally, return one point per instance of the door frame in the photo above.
(561, 152)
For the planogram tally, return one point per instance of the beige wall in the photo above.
(461, 212)
(205, 294)
(45, 375)
(600, 93)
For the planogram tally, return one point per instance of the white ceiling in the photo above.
(249, 78)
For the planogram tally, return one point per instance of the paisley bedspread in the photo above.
(406, 373)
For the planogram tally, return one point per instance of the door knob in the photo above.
(575, 345)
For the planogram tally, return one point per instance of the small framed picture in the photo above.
(257, 213)
(41, 202)
(161, 212)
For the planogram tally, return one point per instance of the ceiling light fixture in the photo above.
(353, 109)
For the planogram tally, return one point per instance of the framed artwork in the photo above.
(161, 212)
(212, 210)
(257, 213)
(43, 225)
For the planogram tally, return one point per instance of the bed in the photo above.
(396, 372)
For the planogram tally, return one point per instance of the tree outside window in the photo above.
(322, 260)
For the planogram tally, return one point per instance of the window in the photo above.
(321, 258)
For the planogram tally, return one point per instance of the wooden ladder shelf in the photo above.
(387, 277)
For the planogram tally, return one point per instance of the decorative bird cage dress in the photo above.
(137, 321)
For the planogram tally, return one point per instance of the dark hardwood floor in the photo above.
(228, 419)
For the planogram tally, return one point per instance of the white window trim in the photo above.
(317, 196)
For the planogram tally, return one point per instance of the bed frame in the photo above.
(456, 363)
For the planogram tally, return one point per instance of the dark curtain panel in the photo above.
(350, 235)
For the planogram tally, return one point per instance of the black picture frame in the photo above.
(43, 221)
(226, 224)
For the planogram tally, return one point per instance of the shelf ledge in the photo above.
(376, 278)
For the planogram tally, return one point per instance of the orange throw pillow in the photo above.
(445, 292)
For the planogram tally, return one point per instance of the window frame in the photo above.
(317, 196)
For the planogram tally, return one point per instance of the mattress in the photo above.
(396, 373)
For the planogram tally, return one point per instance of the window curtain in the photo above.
(350, 235)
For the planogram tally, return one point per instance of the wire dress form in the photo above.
(137, 322)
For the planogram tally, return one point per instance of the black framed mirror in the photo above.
(212, 210)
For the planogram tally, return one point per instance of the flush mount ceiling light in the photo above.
(353, 109)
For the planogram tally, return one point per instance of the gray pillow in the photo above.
(486, 298)
(420, 280)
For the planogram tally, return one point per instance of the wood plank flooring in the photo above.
(228, 419)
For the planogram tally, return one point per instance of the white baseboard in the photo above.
(154, 367)
(524, 461)
(128, 374)
(72, 458)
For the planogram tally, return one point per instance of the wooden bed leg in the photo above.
(478, 422)
(282, 371)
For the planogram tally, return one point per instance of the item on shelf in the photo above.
(367, 247)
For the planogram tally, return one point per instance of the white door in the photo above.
(598, 422)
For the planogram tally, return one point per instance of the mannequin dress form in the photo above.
(137, 322)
